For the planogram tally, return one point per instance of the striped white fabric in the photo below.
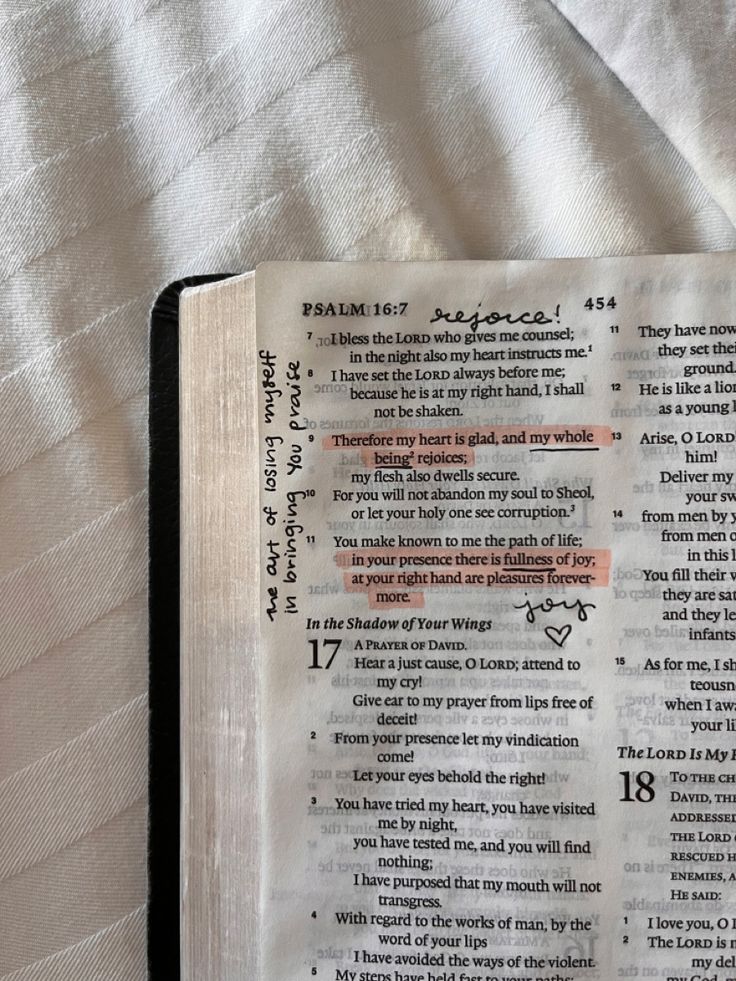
(145, 140)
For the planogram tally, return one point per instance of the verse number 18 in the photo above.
(641, 785)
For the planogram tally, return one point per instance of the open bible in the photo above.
(458, 621)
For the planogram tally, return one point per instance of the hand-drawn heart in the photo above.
(558, 636)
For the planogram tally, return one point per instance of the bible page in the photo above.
(498, 614)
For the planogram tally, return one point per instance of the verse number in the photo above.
(600, 303)
(328, 648)
(643, 792)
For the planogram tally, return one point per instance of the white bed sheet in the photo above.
(147, 140)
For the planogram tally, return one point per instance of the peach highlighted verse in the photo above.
(409, 449)
(388, 575)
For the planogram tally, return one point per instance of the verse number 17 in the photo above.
(334, 645)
